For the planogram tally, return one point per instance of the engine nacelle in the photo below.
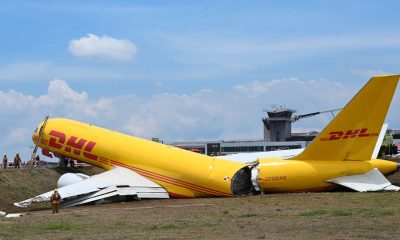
(242, 182)
(70, 178)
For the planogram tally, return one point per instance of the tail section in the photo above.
(353, 133)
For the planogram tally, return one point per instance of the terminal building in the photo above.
(223, 147)
(277, 136)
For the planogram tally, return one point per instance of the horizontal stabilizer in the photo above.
(371, 181)
(379, 141)
(117, 182)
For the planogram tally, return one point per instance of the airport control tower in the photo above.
(278, 124)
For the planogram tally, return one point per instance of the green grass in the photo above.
(247, 215)
(329, 216)
(169, 227)
(386, 212)
(59, 226)
(317, 212)
(261, 236)
(154, 227)
(209, 225)
(340, 213)
(321, 212)
(376, 212)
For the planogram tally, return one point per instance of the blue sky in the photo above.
(187, 70)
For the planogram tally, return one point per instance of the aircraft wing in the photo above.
(253, 156)
(371, 181)
(115, 183)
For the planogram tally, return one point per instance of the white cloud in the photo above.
(226, 114)
(367, 73)
(13, 100)
(37, 71)
(103, 47)
(18, 135)
(233, 113)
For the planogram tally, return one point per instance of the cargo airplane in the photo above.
(342, 155)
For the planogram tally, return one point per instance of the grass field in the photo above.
(331, 215)
(337, 215)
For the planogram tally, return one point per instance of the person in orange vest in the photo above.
(55, 201)
(5, 160)
(17, 161)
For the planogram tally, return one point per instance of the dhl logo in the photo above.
(349, 134)
(58, 140)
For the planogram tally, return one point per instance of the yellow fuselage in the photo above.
(186, 174)
(182, 173)
(277, 175)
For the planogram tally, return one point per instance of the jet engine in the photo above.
(70, 178)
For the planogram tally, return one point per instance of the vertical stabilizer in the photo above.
(353, 133)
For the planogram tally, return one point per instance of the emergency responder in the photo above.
(71, 163)
(17, 161)
(55, 201)
(5, 160)
(36, 161)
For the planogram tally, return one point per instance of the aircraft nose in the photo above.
(35, 137)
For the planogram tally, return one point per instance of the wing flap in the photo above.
(92, 197)
(371, 181)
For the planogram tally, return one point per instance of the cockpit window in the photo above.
(35, 130)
